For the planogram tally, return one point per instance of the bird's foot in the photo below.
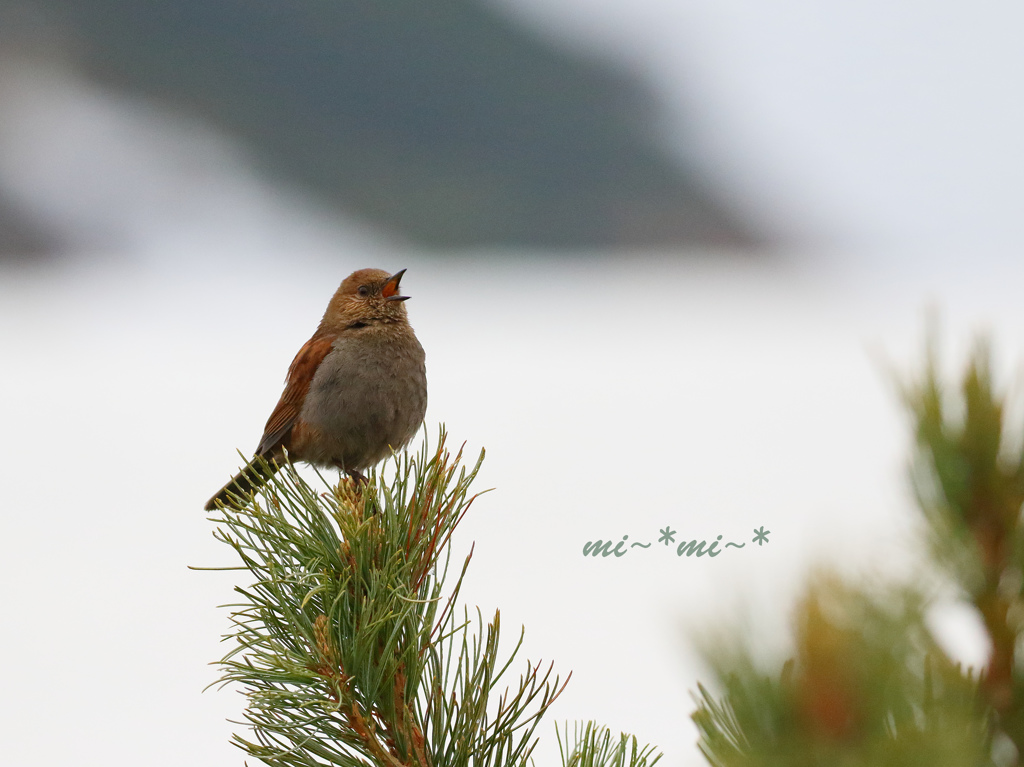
(355, 485)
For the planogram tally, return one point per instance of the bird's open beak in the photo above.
(390, 290)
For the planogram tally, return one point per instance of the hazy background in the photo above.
(659, 253)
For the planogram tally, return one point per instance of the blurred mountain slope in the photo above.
(22, 236)
(441, 121)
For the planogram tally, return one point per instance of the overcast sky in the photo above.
(889, 122)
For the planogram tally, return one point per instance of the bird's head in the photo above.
(368, 296)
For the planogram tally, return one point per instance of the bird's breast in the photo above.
(367, 397)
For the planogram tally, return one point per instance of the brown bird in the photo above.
(356, 391)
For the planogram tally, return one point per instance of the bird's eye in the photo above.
(363, 291)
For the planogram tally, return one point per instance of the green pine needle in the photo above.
(345, 642)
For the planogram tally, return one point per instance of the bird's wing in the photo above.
(300, 374)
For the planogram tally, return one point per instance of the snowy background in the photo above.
(616, 392)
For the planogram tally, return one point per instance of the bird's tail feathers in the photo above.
(246, 482)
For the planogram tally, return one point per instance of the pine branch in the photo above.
(969, 480)
(345, 644)
(868, 684)
(593, 746)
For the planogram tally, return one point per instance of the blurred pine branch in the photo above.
(868, 684)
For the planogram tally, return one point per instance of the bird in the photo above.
(355, 392)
